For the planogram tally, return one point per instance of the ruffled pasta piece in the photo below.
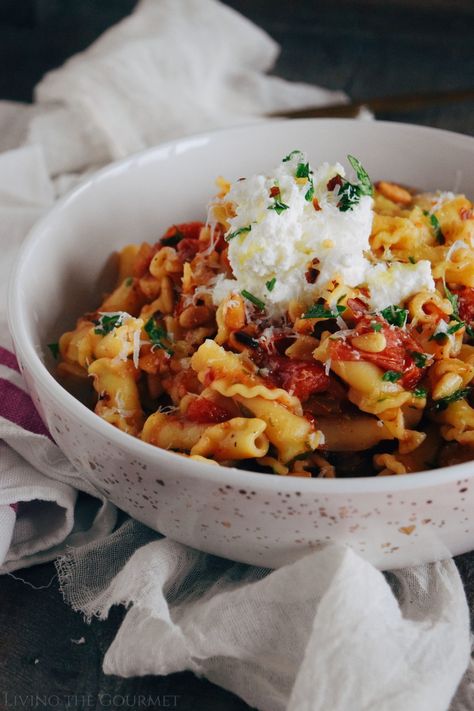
(171, 432)
(427, 306)
(126, 260)
(78, 346)
(291, 434)
(457, 422)
(352, 433)
(448, 375)
(238, 438)
(122, 342)
(275, 465)
(232, 376)
(119, 399)
(126, 297)
(166, 262)
(388, 465)
(230, 317)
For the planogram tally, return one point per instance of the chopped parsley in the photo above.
(453, 300)
(455, 327)
(128, 281)
(278, 205)
(351, 193)
(319, 310)
(377, 327)
(392, 376)
(420, 392)
(291, 155)
(107, 322)
(395, 315)
(458, 322)
(270, 284)
(412, 260)
(436, 226)
(443, 402)
(240, 231)
(303, 170)
(419, 359)
(253, 299)
(157, 335)
(440, 337)
(54, 348)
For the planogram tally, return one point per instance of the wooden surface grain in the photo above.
(367, 48)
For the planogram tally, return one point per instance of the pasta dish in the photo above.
(316, 325)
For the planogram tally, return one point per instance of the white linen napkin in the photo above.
(327, 632)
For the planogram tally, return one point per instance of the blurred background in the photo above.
(367, 48)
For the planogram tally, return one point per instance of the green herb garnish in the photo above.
(253, 299)
(278, 206)
(291, 155)
(350, 193)
(412, 260)
(157, 335)
(443, 402)
(240, 231)
(54, 348)
(419, 359)
(440, 337)
(270, 284)
(455, 327)
(303, 170)
(107, 322)
(392, 376)
(436, 226)
(319, 310)
(377, 327)
(309, 194)
(420, 392)
(395, 315)
(128, 281)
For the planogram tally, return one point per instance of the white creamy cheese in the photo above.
(281, 245)
(394, 283)
(276, 247)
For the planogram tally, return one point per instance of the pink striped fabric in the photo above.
(8, 358)
(15, 404)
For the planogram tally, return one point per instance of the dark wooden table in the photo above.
(366, 48)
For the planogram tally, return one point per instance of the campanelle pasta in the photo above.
(313, 326)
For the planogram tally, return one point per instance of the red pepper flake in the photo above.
(337, 180)
(274, 191)
(311, 275)
(316, 204)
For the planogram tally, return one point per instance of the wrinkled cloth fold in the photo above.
(326, 632)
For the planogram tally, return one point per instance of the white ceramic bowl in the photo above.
(256, 518)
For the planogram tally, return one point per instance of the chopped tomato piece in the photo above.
(299, 377)
(189, 230)
(203, 410)
(466, 303)
(397, 355)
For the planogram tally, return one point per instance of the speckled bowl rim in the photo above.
(238, 477)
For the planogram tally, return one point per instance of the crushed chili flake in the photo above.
(337, 180)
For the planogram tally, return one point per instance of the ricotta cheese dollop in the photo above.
(291, 238)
